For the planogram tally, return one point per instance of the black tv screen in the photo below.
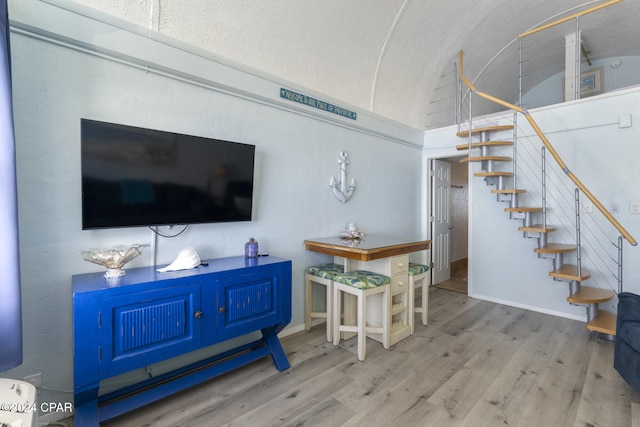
(141, 177)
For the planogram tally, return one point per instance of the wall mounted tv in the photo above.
(141, 177)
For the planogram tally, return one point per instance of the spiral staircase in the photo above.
(481, 142)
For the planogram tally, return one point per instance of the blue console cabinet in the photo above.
(145, 317)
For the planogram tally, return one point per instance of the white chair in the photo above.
(361, 284)
(323, 275)
(418, 277)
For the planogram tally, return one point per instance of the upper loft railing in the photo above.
(531, 69)
(579, 49)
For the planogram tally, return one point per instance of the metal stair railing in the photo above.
(546, 185)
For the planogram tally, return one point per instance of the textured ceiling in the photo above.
(395, 58)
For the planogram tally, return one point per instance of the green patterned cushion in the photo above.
(326, 271)
(362, 279)
(415, 268)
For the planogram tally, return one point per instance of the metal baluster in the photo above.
(515, 150)
(544, 189)
(470, 129)
(619, 264)
(457, 96)
(579, 246)
(577, 63)
(520, 71)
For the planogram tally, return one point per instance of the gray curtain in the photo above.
(10, 308)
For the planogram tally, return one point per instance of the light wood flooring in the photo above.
(457, 283)
(476, 364)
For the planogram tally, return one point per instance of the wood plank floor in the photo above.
(476, 364)
(457, 282)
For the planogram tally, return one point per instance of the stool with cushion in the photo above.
(323, 275)
(361, 284)
(418, 277)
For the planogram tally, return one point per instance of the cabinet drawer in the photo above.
(399, 283)
(399, 264)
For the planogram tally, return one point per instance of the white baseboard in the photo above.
(530, 308)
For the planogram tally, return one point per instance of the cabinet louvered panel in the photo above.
(151, 325)
(157, 326)
(248, 301)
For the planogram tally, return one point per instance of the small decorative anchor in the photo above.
(340, 190)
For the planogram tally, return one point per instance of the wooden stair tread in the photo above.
(493, 173)
(527, 209)
(556, 248)
(589, 295)
(484, 158)
(604, 323)
(537, 228)
(570, 272)
(461, 147)
(508, 191)
(464, 133)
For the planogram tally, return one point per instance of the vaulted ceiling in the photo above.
(395, 58)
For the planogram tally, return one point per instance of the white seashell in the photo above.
(187, 258)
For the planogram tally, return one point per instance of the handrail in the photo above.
(556, 157)
(568, 18)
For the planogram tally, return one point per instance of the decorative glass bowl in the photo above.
(113, 259)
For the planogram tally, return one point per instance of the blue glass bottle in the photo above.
(251, 248)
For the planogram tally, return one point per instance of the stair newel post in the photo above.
(486, 165)
(619, 264)
(515, 150)
(542, 240)
(578, 245)
(544, 188)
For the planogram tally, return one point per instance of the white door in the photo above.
(441, 214)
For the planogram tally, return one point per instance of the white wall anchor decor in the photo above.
(340, 189)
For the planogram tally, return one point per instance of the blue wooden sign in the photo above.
(316, 103)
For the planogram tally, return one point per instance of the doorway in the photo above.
(449, 221)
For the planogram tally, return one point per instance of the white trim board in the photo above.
(68, 24)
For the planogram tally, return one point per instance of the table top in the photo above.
(367, 248)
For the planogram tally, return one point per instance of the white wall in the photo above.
(588, 137)
(67, 66)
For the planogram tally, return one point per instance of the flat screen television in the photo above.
(141, 177)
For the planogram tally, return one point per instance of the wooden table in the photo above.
(380, 254)
(369, 248)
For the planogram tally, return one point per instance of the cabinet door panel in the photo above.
(150, 327)
(249, 302)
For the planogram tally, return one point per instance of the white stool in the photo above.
(322, 275)
(418, 277)
(361, 284)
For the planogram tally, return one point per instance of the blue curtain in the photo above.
(10, 309)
